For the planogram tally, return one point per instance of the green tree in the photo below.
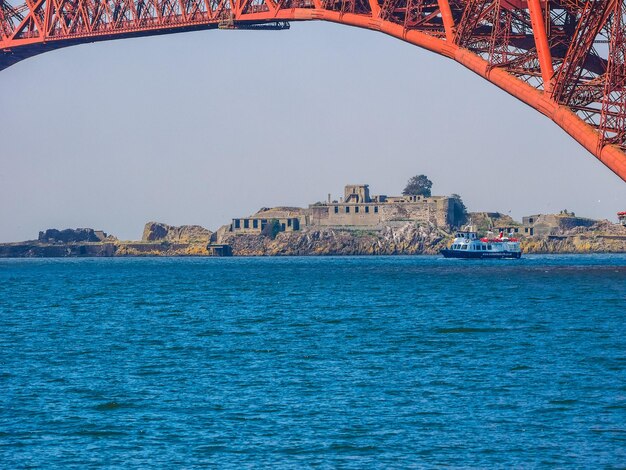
(418, 185)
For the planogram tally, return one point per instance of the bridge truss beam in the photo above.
(564, 58)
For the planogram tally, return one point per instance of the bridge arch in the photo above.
(541, 52)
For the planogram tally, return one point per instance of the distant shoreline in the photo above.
(276, 248)
(397, 238)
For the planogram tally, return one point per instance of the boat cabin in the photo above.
(467, 235)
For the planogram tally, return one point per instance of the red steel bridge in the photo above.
(565, 58)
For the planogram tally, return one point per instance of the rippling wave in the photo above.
(352, 362)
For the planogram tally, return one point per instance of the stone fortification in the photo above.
(553, 224)
(358, 208)
(289, 219)
(601, 237)
(437, 210)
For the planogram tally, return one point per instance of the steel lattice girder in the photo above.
(543, 52)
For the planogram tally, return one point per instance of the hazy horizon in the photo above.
(198, 128)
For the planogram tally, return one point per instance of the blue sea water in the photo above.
(355, 362)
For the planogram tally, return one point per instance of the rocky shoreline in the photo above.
(408, 239)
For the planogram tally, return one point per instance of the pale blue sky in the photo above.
(197, 128)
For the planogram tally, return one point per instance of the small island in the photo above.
(357, 223)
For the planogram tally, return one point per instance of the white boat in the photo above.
(467, 244)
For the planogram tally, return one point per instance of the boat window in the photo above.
(489, 247)
(484, 247)
(464, 247)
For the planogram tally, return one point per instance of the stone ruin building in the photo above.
(357, 209)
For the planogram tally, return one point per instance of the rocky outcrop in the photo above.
(280, 212)
(601, 237)
(220, 234)
(36, 249)
(161, 249)
(484, 221)
(411, 239)
(407, 239)
(157, 231)
(69, 235)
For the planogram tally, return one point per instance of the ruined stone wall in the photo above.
(554, 224)
(439, 212)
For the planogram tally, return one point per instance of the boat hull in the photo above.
(465, 254)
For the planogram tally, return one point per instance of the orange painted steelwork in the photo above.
(540, 51)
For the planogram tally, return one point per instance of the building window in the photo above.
(255, 223)
(367, 209)
(288, 222)
(246, 223)
(356, 209)
(282, 227)
(237, 223)
(347, 210)
(336, 209)
(376, 209)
